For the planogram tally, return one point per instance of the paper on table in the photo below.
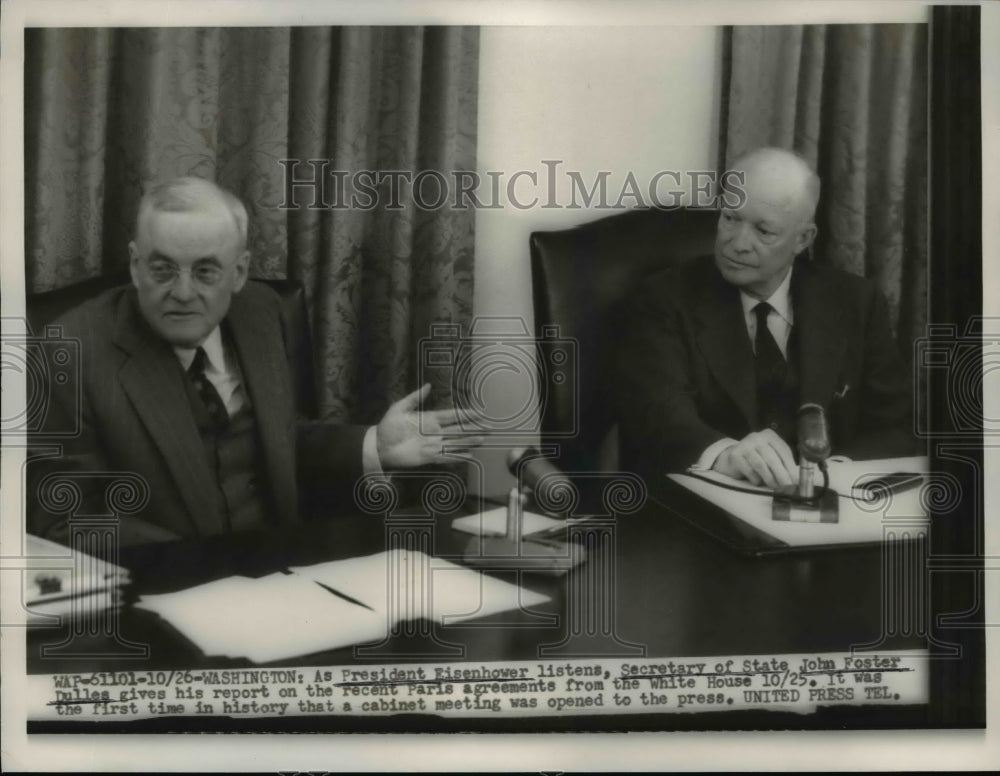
(412, 585)
(57, 572)
(288, 615)
(461, 594)
(266, 619)
(301, 619)
(858, 522)
(847, 476)
(48, 612)
(494, 523)
(201, 613)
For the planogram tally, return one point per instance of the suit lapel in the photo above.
(262, 362)
(153, 380)
(725, 345)
(821, 336)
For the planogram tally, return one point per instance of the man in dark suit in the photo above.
(186, 381)
(720, 353)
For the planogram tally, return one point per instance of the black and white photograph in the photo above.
(578, 377)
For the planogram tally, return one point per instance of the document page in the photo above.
(253, 618)
(860, 520)
(413, 585)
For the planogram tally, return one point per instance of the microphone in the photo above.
(514, 550)
(806, 502)
(814, 440)
(538, 473)
(814, 446)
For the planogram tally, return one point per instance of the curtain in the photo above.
(852, 99)
(108, 111)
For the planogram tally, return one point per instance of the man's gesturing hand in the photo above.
(406, 438)
(761, 457)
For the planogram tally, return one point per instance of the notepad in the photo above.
(331, 605)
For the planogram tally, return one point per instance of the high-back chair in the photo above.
(582, 278)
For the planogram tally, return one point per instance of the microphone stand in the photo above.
(807, 502)
(514, 550)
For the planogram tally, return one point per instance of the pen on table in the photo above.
(337, 593)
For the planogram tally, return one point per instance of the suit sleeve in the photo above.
(325, 448)
(885, 427)
(660, 424)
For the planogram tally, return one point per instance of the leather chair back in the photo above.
(581, 279)
(46, 307)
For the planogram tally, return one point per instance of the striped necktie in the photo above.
(206, 391)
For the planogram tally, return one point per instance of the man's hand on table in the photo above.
(762, 458)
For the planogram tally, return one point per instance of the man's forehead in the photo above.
(189, 225)
(784, 190)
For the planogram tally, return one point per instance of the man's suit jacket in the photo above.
(136, 417)
(687, 371)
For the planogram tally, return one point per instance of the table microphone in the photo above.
(514, 550)
(814, 445)
(539, 475)
(806, 502)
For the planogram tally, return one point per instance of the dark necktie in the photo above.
(769, 364)
(206, 391)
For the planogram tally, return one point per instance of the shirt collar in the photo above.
(213, 352)
(780, 300)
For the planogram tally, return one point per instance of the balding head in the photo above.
(786, 173)
(756, 243)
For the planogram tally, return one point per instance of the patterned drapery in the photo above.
(107, 111)
(852, 99)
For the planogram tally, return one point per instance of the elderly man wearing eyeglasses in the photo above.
(186, 381)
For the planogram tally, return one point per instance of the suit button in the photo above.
(774, 426)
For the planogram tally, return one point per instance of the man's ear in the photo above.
(806, 237)
(133, 265)
(242, 271)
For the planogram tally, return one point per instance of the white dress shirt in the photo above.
(223, 372)
(779, 321)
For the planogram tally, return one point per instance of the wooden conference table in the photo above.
(674, 592)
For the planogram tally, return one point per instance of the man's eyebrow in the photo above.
(213, 260)
(157, 256)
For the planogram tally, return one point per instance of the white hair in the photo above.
(187, 195)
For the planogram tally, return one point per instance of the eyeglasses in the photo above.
(165, 272)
